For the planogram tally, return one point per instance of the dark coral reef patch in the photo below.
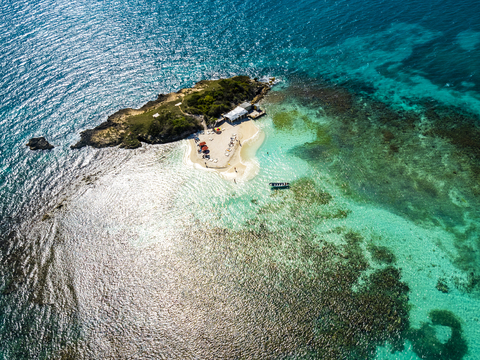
(426, 344)
(305, 191)
(381, 254)
(352, 324)
(311, 296)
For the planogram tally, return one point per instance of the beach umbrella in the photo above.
(202, 143)
(204, 148)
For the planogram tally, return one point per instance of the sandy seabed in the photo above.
(233, 162)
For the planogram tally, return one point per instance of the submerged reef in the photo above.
(306, 192)
(381, 254)
(426, 344)
(173, 116)
(422, 164)
(352, 324)
(312, 296)
(316, 294)
(442, 286)
(306, 296)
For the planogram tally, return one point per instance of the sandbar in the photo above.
(226, 150)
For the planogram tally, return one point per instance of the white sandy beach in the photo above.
(226, 158)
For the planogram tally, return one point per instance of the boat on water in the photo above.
(279, 185)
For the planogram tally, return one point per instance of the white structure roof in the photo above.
(236, 113)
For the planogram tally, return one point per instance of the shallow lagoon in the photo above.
(352, 261)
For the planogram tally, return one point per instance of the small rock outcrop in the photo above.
(39, 143)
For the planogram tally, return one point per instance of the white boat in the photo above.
(279, 185)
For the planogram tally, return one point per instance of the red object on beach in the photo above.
(202, 143)
(204, 148)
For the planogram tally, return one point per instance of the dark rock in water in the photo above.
(39, 144)
(46, 217)
(442, 286)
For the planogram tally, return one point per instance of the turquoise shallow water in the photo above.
(134, 254)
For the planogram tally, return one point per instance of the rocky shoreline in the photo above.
(173, 116)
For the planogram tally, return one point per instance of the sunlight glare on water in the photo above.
(371, 253)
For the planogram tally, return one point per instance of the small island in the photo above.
(174, 116)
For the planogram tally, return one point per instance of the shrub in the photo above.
(213, 103)
(180, 125)
(155, 128)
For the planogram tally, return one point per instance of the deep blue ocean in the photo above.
(116, 254)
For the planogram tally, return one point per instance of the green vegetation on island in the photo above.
(219, 97)
(173, 116)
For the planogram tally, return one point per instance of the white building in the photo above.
(246, 105)
(236, 114)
